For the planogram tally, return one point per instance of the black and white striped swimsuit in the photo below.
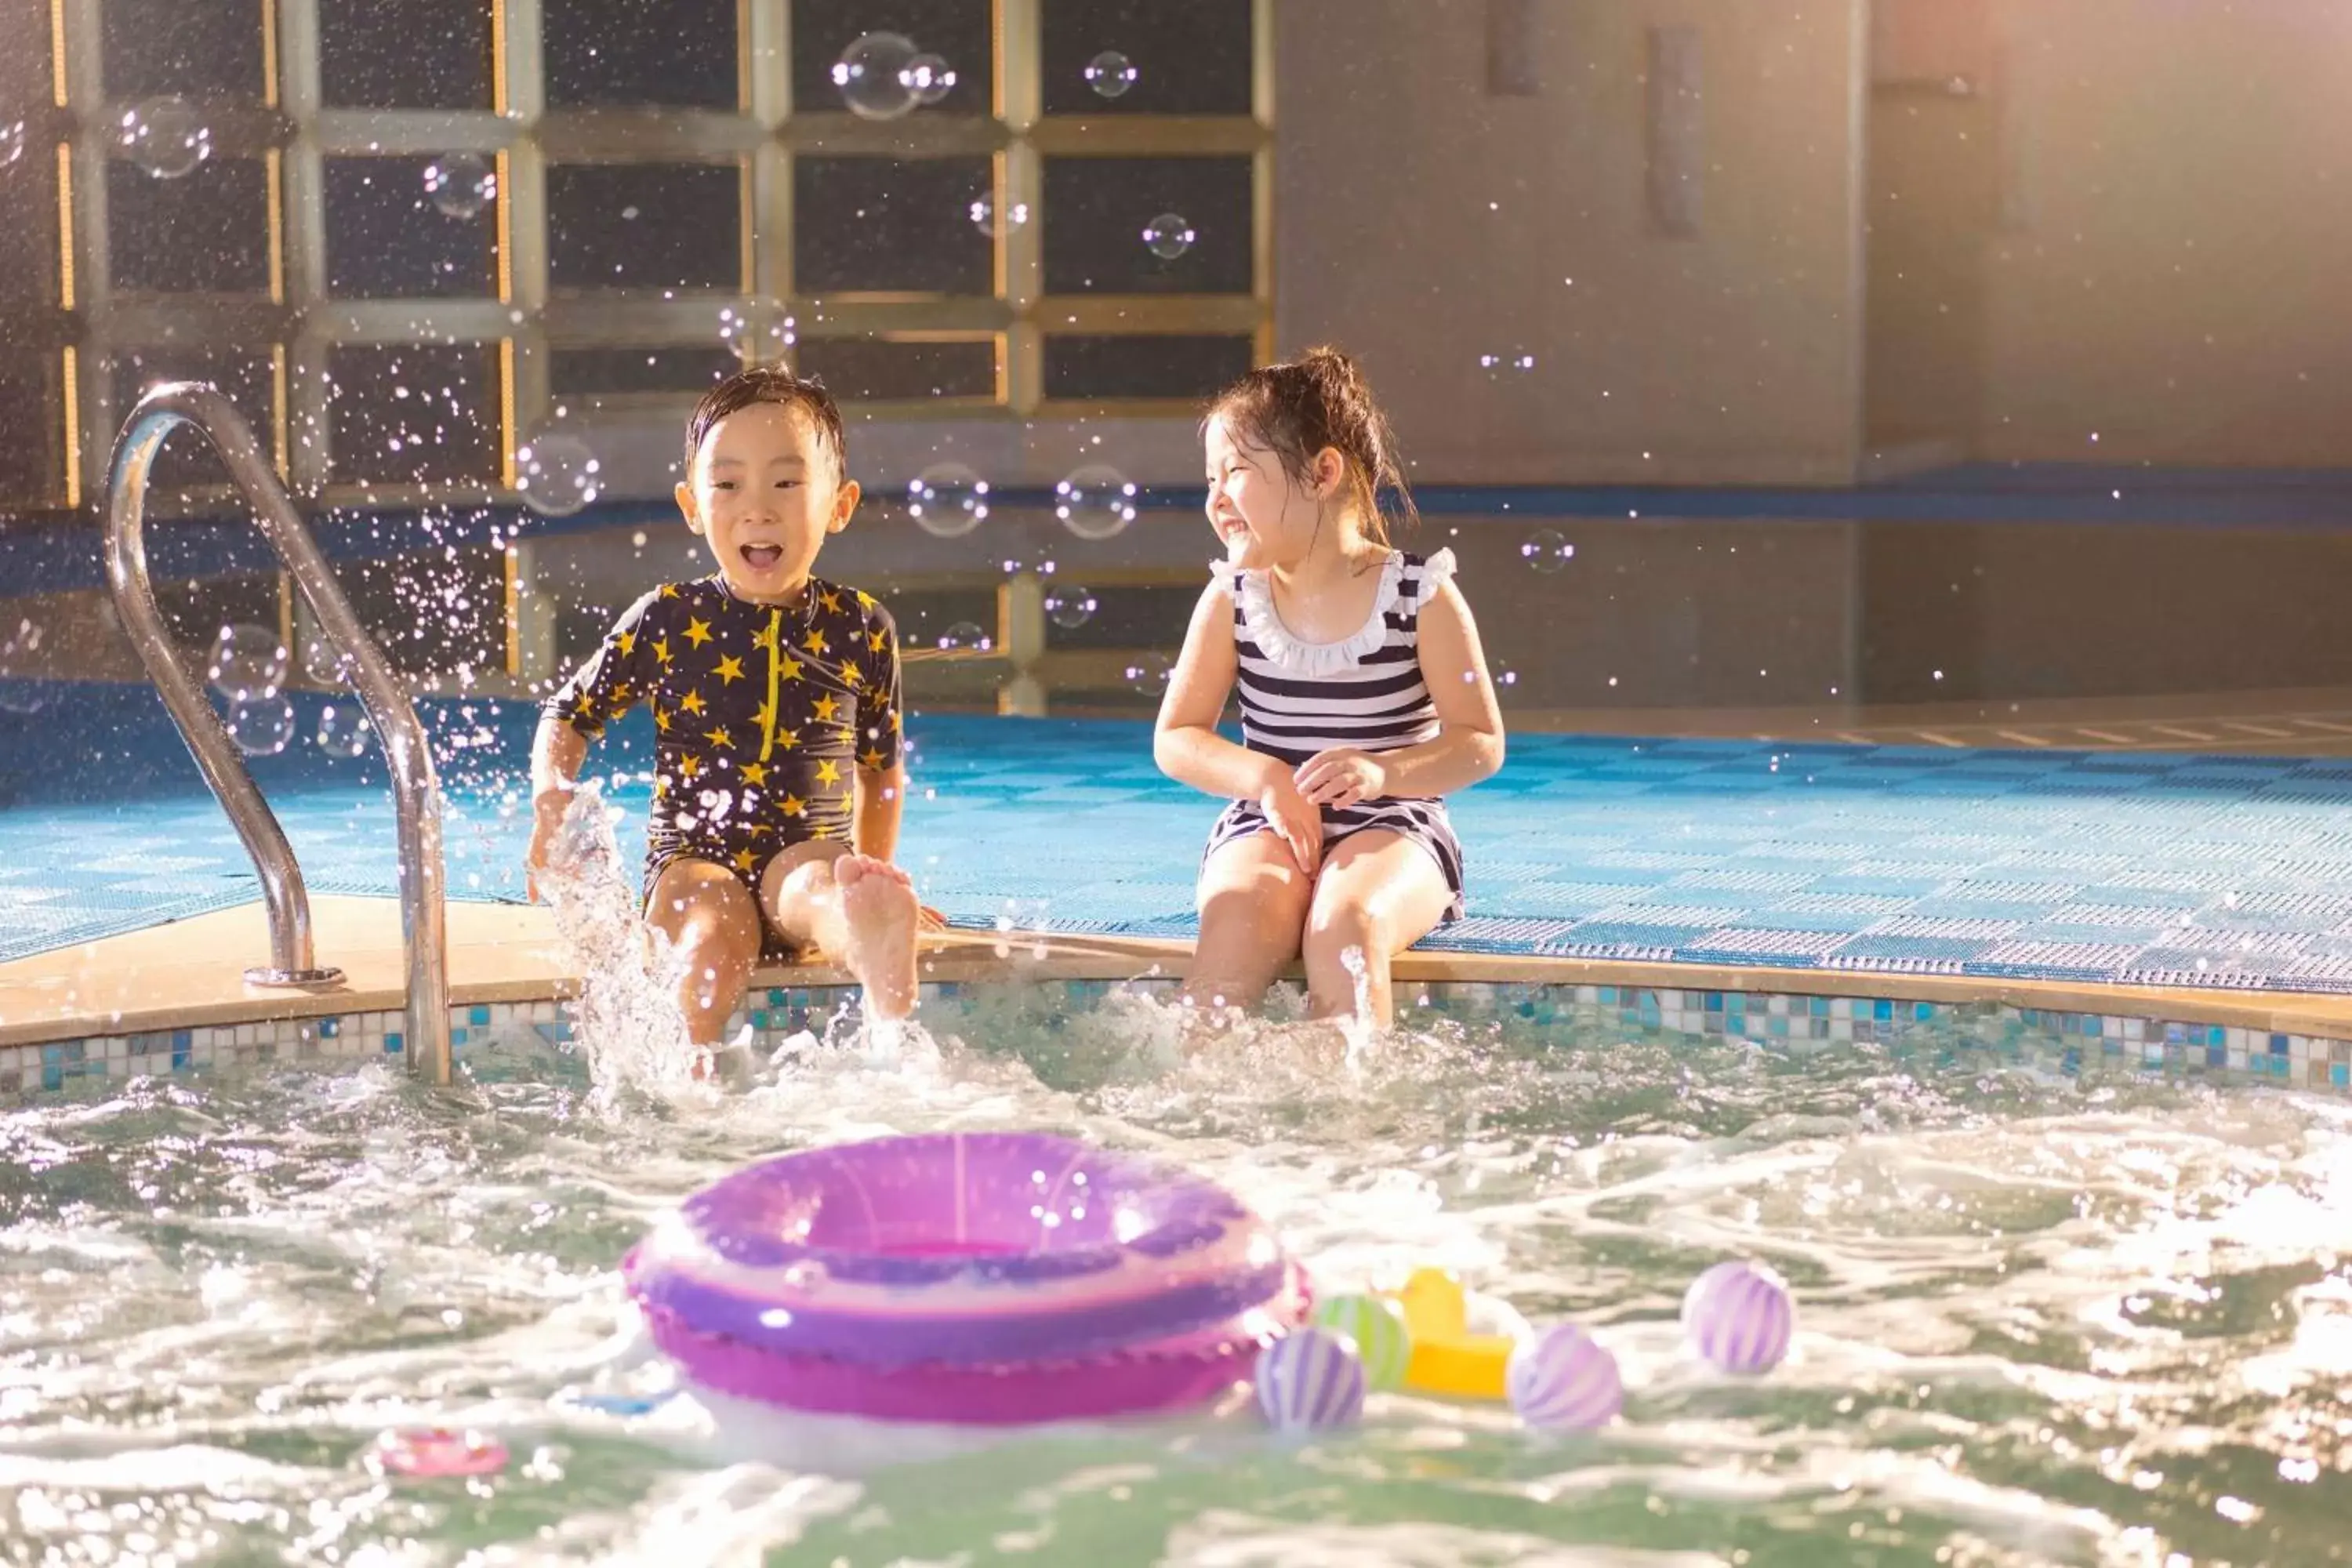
(1366, 691)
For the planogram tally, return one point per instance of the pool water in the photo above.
(2044, 1317)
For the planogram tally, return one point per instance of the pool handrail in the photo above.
(415, 791)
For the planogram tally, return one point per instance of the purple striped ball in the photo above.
(1738, 1316)
(1310, 1380)
(1564, 1380)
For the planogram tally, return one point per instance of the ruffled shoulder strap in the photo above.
(1437, 569)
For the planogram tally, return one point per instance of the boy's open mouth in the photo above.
(762, 556)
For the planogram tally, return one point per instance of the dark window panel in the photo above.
(1192, 59)
(405, 54)
(961, 32)
(677, 52)
(29, 224)
(197, 48)
(644, 225)
(386, 240)
(1096, 211)
(32, 410)
(604, 372)
(195, 609)
(1133, 617)
(247, 378)
(207, 232)
(26, 82)
(414, 413)
(1141, 366)
(881, 370)
(430, 613)
(890, 223)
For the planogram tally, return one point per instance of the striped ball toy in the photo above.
(1310, 1380)
(1564, 1380)
(1738, 1316)
(1379, 1332)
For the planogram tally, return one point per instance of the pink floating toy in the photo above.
(1738, 1316)
(986, 1279)
(428, 1452)
(1565, 1382)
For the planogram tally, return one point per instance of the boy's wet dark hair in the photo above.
(1320, 399)
(770, 383)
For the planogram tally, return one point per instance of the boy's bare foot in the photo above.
(878, 905)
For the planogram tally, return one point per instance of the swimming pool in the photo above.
(2053, 1307)
(2197, 872)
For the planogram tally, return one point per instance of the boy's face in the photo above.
(763, 494)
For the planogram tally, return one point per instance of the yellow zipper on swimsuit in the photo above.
(768, 717)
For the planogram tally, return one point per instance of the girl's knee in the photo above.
(1335, 925)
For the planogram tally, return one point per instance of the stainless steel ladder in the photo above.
(415, 793)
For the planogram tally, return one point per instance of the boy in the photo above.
(778, 778)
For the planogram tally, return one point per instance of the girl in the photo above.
(1364, 699)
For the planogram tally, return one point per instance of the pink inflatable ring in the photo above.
(977, 1277)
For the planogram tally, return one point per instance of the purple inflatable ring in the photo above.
(965, 1276)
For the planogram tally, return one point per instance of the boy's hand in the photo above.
(1342, 776)
(547, 809)
(1295, 822)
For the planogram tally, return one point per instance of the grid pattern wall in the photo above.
(408, 235)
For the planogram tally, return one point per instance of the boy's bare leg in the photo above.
(714, 928)
(858, 910)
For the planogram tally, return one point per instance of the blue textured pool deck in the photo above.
(2219, 871)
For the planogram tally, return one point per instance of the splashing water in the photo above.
(627, 1022)
(1357, 1028)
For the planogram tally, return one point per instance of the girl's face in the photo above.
(1261, 516)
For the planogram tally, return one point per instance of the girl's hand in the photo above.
(1295, 822)
(1342, 776)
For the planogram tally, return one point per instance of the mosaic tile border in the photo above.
(2064, 1041)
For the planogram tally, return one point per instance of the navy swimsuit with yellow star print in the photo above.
(763, 713)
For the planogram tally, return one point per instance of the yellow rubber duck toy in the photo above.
(1447, 1359)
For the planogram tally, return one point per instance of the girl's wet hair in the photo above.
(1320, 399)
(770, 383)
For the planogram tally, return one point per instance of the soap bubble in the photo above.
(1518, 361)
(557, 475)
(342, 730)
(164, 136)
(1110, 74)
(1069, 607)
(872, 76)
(12, 142)
(1097, 501)
(1546, 550)
(247, 663)
(1148, 674)
(1503, 675)
(965, 638)
(766, 343)
(461, 184)
(1169, 236)
(929, 78)
(261, 727)
(323, 665)
(947, 500)
(983, 214)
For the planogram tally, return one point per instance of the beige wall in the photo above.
(2176, 274)
(1730, 357)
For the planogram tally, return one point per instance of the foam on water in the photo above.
(2040, 1319)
